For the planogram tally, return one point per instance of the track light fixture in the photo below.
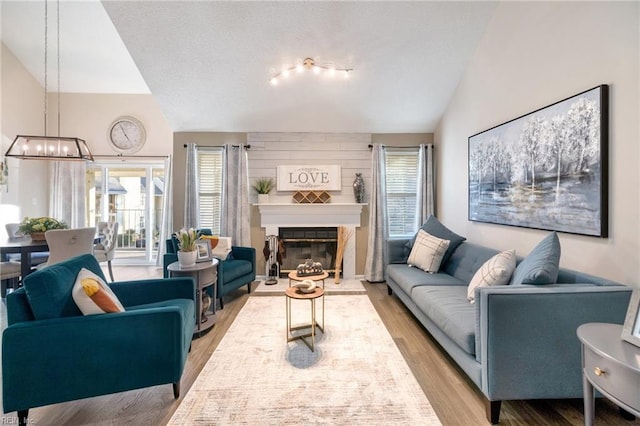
(309, 65)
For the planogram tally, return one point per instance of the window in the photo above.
(401, 178)
(210, 187)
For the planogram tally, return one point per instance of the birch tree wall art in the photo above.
(545, 170)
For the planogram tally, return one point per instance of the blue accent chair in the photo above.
(51, 353)
(238, 269)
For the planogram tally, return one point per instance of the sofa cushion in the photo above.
(407, 278)
(467, 259)
(235, 268)
(427, 252)
(93, 296)
(449, 309)
(495, 271)
(541, 266)
(433, 226)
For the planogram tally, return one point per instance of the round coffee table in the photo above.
(294, 293)
(293, 276)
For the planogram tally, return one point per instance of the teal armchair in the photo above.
(60, 355)
(237, 270)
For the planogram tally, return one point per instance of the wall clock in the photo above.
(127, 135)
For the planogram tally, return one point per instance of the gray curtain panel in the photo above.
(376, 251)
(191, 199)
(426, 196)
(67, 202)
(166, 224)
(235, 222)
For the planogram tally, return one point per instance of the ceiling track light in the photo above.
(309, 65)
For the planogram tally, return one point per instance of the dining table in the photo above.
(25, 246)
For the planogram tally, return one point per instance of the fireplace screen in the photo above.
(300, 244)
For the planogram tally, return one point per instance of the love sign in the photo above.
(297, 178)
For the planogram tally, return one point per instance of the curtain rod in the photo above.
(132, 157)
(219, 146)
(403, 147)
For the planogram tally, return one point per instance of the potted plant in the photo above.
(187, 246)
(263, 187)
(37, 226)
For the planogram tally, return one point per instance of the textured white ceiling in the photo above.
(208, 63)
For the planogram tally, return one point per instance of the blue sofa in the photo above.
(51, 353)
(516, 341)
(237, 270)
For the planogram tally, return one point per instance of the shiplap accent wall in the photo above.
(348, 150)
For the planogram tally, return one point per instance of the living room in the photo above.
(526, 56)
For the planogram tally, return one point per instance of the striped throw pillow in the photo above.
(495, 271)
(427, 252)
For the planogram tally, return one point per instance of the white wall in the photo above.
(22, 113)
(534, 54)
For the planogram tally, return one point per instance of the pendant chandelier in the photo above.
(29, 147)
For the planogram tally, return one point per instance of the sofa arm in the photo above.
(526, 336)
(396, 250)
(132, 293)
(62, 359)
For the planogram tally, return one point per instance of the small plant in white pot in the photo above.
(263, 187)
(187, 246)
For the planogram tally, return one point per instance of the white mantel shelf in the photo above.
(274, 216)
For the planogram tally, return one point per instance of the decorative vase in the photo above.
(38, 236)
(187, 258)
(263, 198)
(206, 304)
(358, 188)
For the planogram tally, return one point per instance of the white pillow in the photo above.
(93, 296)
(495, 271)
(427, 252)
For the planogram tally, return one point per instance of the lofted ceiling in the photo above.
(208, 63)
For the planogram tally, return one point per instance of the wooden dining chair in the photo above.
(67, 243)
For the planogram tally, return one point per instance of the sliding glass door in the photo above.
(132, 195)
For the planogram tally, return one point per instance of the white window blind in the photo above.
(401, 176)
(210, 187)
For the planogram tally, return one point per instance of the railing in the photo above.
(132, 232)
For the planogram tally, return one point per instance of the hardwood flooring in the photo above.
(454, 398)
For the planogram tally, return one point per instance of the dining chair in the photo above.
(105, 250)
(9, 274)
(67, 243)
(13, 231)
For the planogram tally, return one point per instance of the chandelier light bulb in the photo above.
(332, 71)
(346, 74)
(274, 81)
(285, 73)
(316, 69)
(299, 68)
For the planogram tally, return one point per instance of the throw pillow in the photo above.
(93, 295)
(433, 226)
(495, 271)
(220, 246)
(427, 252)
(541, 266)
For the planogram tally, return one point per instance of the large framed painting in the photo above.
(546, 169)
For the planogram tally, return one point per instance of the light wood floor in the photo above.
(454, 398)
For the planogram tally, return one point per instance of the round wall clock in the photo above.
(127, 135)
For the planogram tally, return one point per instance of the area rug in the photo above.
(356, 376)
(345, 287)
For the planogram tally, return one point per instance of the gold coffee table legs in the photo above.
(291, 293)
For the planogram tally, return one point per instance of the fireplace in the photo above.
(302, 243)
(274, 216)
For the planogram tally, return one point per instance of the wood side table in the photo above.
(610, 365)
(294, 293)
(206, 275)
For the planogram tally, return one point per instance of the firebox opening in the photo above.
(300, 244)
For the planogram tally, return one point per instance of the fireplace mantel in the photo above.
(274, 216)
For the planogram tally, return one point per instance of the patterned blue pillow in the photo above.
(541, 266)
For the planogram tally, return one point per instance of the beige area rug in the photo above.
(356, 376)
(345, 287)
